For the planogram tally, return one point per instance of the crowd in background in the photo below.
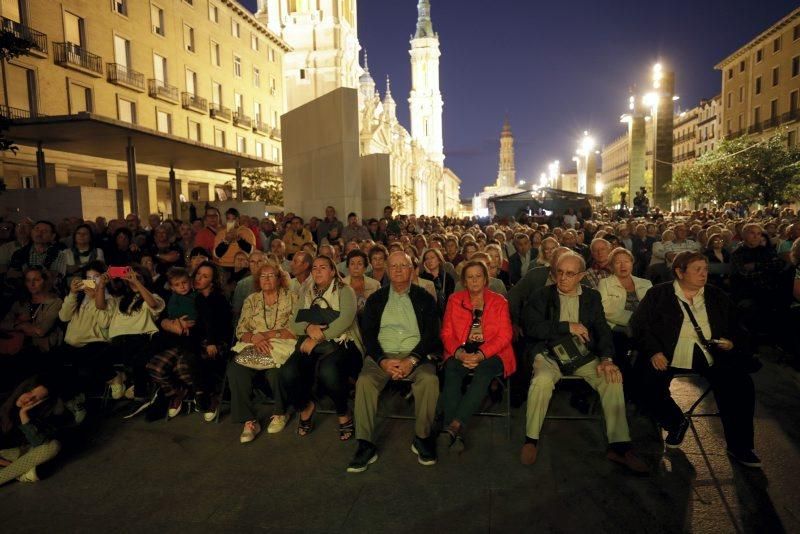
(156, 312)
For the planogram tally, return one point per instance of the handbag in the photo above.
(570, 353)
(249, 356)
(316, 314)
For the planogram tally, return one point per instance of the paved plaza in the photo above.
(187, 476)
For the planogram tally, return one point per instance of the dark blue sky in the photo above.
(557, 68)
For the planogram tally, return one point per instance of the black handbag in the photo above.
(316, 314)
(570, 353)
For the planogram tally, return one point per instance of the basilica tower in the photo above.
(425, 100)
(506, 174)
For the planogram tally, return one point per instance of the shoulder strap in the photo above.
(696, 326)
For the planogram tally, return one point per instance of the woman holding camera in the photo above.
(473, 345)
(689, 326)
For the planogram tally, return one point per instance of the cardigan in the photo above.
(613, 296)
(496, 325)
(427, 321)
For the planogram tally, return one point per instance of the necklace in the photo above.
(275, 306)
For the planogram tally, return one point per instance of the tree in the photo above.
(742, 170)
(401, 197)
(264, 184)
(11, 46)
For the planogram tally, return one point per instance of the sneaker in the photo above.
(425, 450)
(745, 457)
(251, 430)
(117, 390)
(366, 454)
(141, 406)
(277, 423)
(528, 454)
(675, 437)
(176, 404)
(29, 476)
(629, 460)
(77, 408)
(211, 411)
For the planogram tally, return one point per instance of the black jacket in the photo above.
(542, 324)
(657, 322)
(515, 266)
(427, 320)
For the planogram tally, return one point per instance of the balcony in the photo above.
(73, 56)
(193, 102)
(124, 76)
(242, 120)
(163, 91)
(260, 128)
(9, 113)
(36, 40)
(790, 116)
(221, 113)
(276, 134)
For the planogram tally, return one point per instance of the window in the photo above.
(758, 85)
(122, 52)
(741, 66)
(188, 38)
(219, 138)
(795, 66)
(730, 73)
(254, 42)
(271, 55)
(741, 94)
(728, 100)
(194, 130)
(215, 55)
(791, 139)
(741, 121)
(241, 144)
(794, 96)
(257, 111)
(276, 154)
(126, 110)
(759, 55)
(259, 150)
(213, 12)
(776, 76)
(163, 121)
(216, 94)
(160, 68)
(756, 116)
(796, 32)
(728, 126)
(157, 19)
(80, 99)
(237, 66)
(773, 109)
(776, 45)
(256, 77)
(191, 82)
(21, 88)
(274, 119)
(74, 30)
(273, 86)
(235, 30)
(302, 74)
(120, 6)
(238, 103)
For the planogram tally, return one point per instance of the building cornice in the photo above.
(255, 23)
(763, 36)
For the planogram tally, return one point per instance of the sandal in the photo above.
(347, 430)
(305, 426)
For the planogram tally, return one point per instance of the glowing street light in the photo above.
(543, 180)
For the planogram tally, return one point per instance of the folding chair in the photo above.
(592, 414)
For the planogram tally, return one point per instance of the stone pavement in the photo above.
(185, 475)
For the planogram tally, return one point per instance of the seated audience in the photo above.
(363, 285)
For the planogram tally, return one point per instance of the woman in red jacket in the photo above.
(472, 344)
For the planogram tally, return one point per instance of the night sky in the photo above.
(556, 68)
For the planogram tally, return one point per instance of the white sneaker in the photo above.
(251, 430)
(30, 476)
(117, 391)
(277, 423)
(77, 408)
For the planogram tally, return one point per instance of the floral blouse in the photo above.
(256, 317)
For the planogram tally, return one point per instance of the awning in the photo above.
(94, 135)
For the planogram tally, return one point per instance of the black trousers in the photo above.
(86, 368)
(330, 366)
(733, 390)
(460, 406)
(134, 351)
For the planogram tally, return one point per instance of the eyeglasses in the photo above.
(268, 276)
(400, 266)
(569, 275)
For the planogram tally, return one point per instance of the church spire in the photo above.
(388, 88)
(424, 24)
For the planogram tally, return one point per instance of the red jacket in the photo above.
(497, 330)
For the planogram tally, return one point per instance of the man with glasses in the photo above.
(400, 329)
(566, 324)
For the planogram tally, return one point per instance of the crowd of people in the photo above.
(155, 314)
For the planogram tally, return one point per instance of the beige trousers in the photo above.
(546, 374)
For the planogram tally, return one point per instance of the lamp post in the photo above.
(586, 163)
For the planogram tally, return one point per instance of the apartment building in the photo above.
(200, 78)
(761, 83)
